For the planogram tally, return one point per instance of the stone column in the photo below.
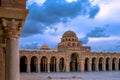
(67, 66)
(48, 67)
(28, 67)
(38, 67)
(89, 66)
(104, 66)
(57, 66)
(82, 66)
(2, 52)
(78, 66)
(110, 65)
(12, 32)
(96, 65)
(116, 65)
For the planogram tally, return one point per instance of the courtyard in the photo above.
(107, 75)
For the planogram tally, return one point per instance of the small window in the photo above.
(69, 40)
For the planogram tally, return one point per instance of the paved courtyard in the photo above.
(111, 75)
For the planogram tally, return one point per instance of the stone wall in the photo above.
(2, 65)
(14, 4)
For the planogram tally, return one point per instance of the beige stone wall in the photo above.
(2, 64)
(14, 4)
(82, 56)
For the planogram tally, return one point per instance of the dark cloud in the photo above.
(32, 45)
(95, 33)
(84, 40)
(31, 28)
(55, 11)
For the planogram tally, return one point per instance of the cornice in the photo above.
(13, 13)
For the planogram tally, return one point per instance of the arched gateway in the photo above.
(69, 56)
(44, 65)
(74, 63)
(23, 64)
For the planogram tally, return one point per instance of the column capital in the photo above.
(12, 27)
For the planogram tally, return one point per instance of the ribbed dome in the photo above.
(45, 47)
(69, 34)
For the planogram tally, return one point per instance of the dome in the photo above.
(69, 34)
(45, 47)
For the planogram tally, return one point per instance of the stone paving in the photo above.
(72, 76)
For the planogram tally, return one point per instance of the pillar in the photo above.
(89, 66)
(67, 66)
(12, 33)
(82, 65)
(48, 67)
(28, 67)
(110, 65)
(78, 66)
(38, 67)
(116, 66)
(2, 53)
(96, 65)
(57, 66)
(104, 66)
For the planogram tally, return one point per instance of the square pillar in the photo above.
(82, 66)
(103, 66)
(89, 67)
(28, 67)
(67, 66)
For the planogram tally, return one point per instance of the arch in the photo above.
(74, 62)
(78, 44)
(100, 64)
(107, 64)
(53, 64)
(66, 39)
(87, 60)
(113, 63)
(43, 65)
(23, 64)
(73, 39)
(61, 65)
(69, 39)
(69, 44)
(73, 44)
(93, 64)
(33, 64)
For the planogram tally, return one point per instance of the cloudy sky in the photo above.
(96, 23)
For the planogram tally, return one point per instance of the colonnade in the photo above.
(74, 65)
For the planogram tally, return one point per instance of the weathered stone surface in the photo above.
(12, 16)
(69, 56)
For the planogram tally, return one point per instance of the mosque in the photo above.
(69, 56)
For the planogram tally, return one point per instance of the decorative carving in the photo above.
(12, 27)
